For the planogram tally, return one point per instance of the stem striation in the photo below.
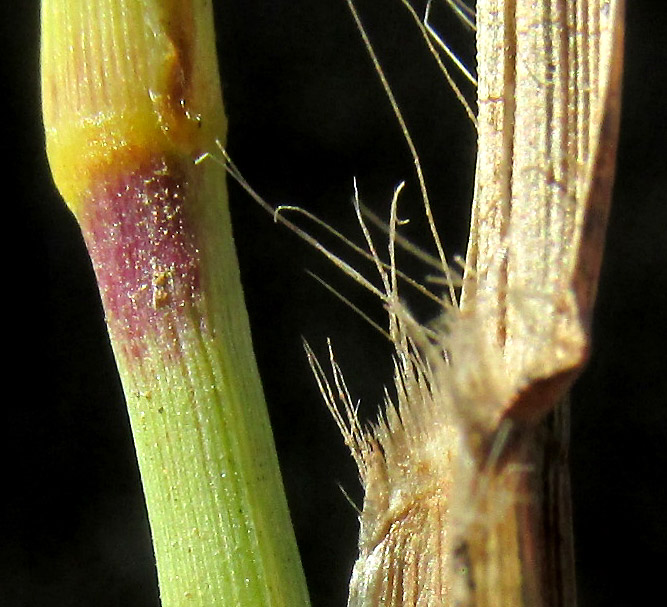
(131, 98)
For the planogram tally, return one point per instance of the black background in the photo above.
(306, 115)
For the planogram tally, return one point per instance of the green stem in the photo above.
(131, 99)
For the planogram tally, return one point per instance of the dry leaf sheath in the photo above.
(465, 475)
(549, 101)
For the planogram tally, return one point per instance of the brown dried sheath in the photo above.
(548, 126)
(495, 527)
(549, 100)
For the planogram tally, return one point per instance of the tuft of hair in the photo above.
(407, 459)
